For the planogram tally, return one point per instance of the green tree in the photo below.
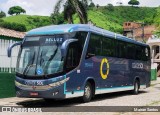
(86, 3)
(157, 21)
(69, 12)
(57, 18)
(16, 10)
(133, 2)
(97, 5)
(110, 7)
(71, 7)
(2, 14)
(92, 4)
(13, 26)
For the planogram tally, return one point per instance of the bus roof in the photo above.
(66, 28)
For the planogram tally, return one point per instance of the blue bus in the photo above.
(79, 60)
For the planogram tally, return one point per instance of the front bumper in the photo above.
(50, 88)
(55, 93)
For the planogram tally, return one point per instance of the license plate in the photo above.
(33, 94)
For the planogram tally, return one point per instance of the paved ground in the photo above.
(146, 97)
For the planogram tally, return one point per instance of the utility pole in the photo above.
(133, 33)
(142, 27)
(143, 31)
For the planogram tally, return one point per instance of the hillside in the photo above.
(105, 17)
(113, 19)
(29, 21)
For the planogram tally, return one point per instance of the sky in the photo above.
(45, 7)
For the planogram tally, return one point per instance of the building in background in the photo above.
(7, 65)
(154, 43)
(8, 37)
(138, 31)
(142, 33)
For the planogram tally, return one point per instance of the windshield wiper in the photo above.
(51, 57)
(29, 64)
(40, 63)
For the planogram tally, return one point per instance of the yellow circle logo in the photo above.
(104, 75)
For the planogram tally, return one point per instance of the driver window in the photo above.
(73, 56)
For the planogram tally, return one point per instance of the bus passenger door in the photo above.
(71, 66)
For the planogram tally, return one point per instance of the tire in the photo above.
(88, 92)
(135, 91)
(48, 100)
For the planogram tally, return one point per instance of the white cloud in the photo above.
(150, 3)
(32, 7)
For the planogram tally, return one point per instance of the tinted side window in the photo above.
(130, 51)
(108, 48)
(139, 53)
(145, 53)
(94, 46)
(121, 49)
(81, 36)
(148, 52)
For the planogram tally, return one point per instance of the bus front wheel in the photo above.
(136, 87)
(88, 92)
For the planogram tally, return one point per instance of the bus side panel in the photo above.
(92, 69)
(147, 69)
(141, 70)
(122, 73)
(118, 72)
(75, 82)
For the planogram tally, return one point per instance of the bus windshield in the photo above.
(41, 55)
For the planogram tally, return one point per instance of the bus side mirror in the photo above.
(9, 50)
(65, 45)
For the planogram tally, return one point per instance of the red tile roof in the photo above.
(11, 33)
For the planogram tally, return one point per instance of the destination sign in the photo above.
(51, 40)
(45, 40)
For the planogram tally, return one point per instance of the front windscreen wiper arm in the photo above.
(29, 65)
(51, 57)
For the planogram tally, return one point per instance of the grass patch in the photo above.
(7, 88)
(30, 22)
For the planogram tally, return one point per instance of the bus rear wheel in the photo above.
(88, 92)
(136, 87)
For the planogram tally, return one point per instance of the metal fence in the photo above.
(7, 65)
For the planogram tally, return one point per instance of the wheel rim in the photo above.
(136, 87)
(87, 91)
